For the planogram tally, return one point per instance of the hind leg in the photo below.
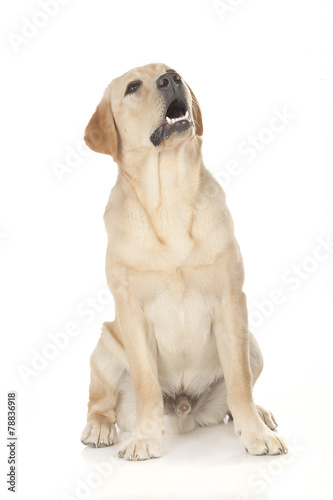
(106, 374)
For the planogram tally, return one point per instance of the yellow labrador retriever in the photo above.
(178, 354)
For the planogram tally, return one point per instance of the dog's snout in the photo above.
(168, 79)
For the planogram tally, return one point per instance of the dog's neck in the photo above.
(166, 184)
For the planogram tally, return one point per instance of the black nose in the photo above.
(169, 79)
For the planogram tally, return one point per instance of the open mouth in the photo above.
(177, 119)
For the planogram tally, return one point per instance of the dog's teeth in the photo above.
(171, 121)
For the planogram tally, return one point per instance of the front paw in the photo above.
(141, 449)
(264, 442)
(99, 434)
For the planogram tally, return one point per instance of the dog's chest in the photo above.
(180, 319)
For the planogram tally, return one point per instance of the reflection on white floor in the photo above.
(210, 463)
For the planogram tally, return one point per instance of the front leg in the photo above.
(141, 353)
(232, 339)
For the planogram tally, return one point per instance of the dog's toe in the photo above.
(265, 443)
(141, 449)
(267, 417)
(99, 434)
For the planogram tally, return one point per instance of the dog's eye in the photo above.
(132, 87)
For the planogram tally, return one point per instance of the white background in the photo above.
(242, 64)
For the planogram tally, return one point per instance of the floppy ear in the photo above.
(197, 116)
(101, 133)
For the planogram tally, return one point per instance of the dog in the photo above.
(179, 353)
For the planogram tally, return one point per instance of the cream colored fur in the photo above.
(175, 270)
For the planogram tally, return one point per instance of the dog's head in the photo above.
(149, 107)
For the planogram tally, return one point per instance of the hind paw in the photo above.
(267, 417)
